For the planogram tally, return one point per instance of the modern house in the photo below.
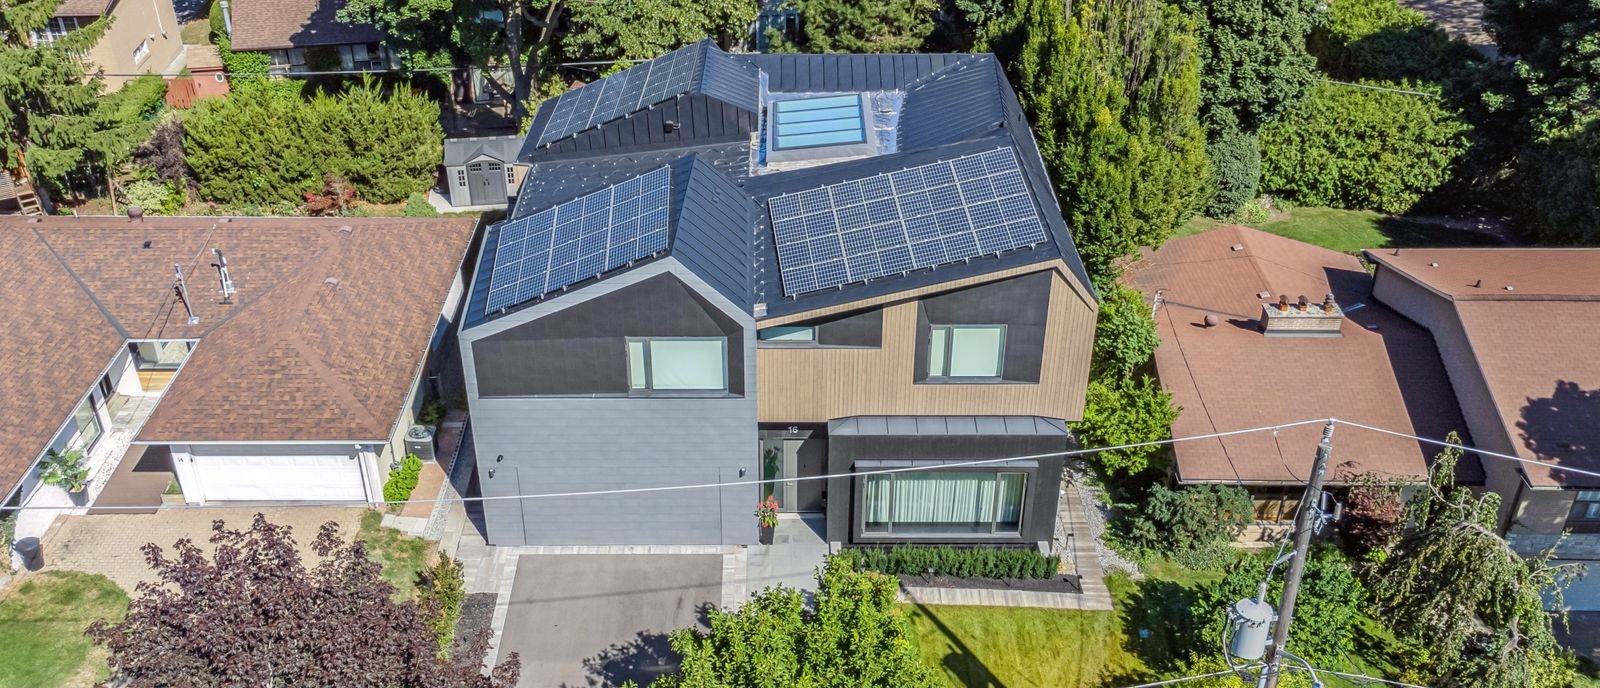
(1518, 331)
(142, 37)
(305, 36)
(292, 374)
(1256, 329)
(482, 170)
(728, 267)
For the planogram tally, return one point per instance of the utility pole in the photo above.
(1303, 527)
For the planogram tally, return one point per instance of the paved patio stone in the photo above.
(108, 544)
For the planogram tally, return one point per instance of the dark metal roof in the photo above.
(953, 105)
(944, 426)
(465, 150)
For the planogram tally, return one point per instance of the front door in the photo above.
(783, 460)
(486, 182)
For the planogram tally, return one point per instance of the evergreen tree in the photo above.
(1113, 93)
(853, 26)
(644, 29)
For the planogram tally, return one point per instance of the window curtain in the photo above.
(877, 502)
(958, 499)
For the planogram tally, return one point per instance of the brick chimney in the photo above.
(1304, 320)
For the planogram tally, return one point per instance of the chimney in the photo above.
(1306, 319)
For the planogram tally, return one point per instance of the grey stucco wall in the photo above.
(541, 445)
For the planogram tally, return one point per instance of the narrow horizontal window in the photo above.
(787, 333)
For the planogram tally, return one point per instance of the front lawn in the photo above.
(981, 647)
(402, 556)
(42, 621)
(1349, 231)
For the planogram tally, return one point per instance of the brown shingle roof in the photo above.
(1537, 347)
(275, 24)
(82, 8)
(1381, 371)
(292, 358)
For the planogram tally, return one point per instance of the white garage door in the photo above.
(290, 477)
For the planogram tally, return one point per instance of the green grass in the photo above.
(1349, 231)
(197, 32)
(401, 555)
(981, 647)
(41, 629)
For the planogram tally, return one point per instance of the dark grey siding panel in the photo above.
(1039, 507)
(581, 350)
(713, 231)
(1022, 304)
(864, 328)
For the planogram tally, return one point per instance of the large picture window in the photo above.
(82, 430)
(966, 351)
(678, 364)
(944, 503)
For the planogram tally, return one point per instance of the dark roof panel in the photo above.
(465, 150)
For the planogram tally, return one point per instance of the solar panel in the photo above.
(919, 217)
(581, 238)
(627, 91)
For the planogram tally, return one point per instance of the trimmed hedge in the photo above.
(402, 480)
(974, 562)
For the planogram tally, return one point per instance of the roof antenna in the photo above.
(181, 290)
(222, 275)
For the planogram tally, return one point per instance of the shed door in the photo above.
(487, 182)
(288, 477)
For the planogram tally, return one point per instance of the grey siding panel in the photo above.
(955, 104)
(713, 232)
(730, 79)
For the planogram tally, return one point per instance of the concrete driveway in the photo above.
(581, 620)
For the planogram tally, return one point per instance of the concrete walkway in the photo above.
(1076, 546)
(792, 560)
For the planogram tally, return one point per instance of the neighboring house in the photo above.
(299, 385)
(1232, 359)
(1518, 330)
(142, 38)
(729, 267)
(306, 36)
(482, 171)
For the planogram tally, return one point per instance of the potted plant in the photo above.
(767, 517)
(65, 469)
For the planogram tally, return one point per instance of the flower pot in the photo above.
(766, 534)
(79, 498)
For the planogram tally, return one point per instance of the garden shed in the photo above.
(482, 170)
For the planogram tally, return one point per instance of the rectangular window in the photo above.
(511, 176)
(83, 428)
(678, 364)
(967, 351)
(787, 333)
(825, 121)
(141, 51)
(1587, 506)
(161, 355)
(53, 31)
(944, 503)
(461, 177)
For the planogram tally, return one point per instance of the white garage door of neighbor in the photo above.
(280, 478)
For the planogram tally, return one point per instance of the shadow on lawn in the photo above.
(1157, 627)
(962, 662)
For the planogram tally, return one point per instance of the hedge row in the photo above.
(402, 480)
(975, 562)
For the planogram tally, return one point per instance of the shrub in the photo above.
(1379, 39)
(154, 198)
(1121, 410)
(1125, 336)
(336, 198)
(402, 480)
(974, 562)
(1325, 614)
(417, 205)
(8, 536)
(1190, 524)
(1358, 148)
(440, 593)
(1235, 172)
(1374, 513)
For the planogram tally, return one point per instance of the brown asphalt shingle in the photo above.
(276, 24)
(82, 8)
(292, 358)
(1537, 346)
(1381, 371)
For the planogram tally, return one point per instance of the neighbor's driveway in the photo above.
(601, 619)
(108, 544)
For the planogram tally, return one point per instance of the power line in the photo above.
(1359, 678)
(1213, 674)
(1479, 452)
(1370, 87)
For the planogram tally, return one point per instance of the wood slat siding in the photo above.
(152, 381)
(813, 385)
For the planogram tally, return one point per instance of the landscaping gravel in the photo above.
(1096, 512)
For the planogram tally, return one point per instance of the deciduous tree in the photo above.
(1119, 410)
(643, 29)
(852, 26)
(1124, 336)
(253, 614)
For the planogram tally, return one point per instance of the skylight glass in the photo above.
(812, 122)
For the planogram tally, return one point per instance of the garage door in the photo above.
(247, 477)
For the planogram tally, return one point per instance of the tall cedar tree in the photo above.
(1457, 589)
(1113, 90)
(852, 26)
(252, 614)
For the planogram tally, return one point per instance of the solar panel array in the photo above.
(584, 237)
(627, 91)
(920, 217)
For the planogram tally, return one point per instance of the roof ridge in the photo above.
(966, 60)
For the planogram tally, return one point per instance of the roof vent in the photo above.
(1433, 264)
(1303, 319)
(1236, 247)
(146, 244)
(1263, 295)
(1510, 288)
(135, 214)
(669, 126)
(331, 282)
(346, 229)
(1210, 320)
(1478, 284)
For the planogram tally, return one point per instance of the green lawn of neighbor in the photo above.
(982, 647)
(197, 32)
(401, 555)
(1349, 231)
(42, 620)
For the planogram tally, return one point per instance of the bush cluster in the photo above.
(1358, 148)
(1125, 410)
(402, 480)
(974, 562)
(441, 593)
(261, 145)
(1190, 524)
(1235, 172)
(1379, 39)
(154, 198)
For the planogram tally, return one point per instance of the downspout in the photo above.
(156, 9)
(227, 19)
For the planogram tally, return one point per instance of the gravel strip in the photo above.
(1096, 512)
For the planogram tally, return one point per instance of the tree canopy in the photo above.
(253, 614)
(852, 26)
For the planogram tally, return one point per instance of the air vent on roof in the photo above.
(1236, 247)
(331, 282)
(346, 229)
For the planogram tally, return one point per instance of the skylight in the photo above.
(812, 122)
